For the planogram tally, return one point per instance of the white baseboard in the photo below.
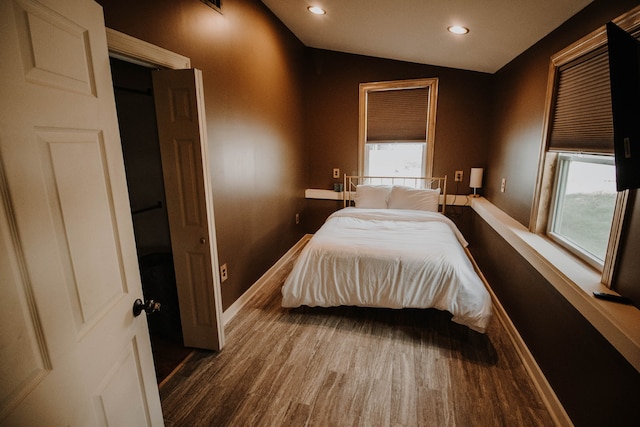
(551, 401)
(234, 308)
(548, 396)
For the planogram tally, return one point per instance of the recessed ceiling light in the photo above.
(316, 10)
(458, 29)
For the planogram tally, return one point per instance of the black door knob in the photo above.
(149, 306)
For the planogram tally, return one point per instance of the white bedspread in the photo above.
(389, 258)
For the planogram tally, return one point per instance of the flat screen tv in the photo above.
(624, 73)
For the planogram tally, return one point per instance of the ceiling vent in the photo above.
(214, 4)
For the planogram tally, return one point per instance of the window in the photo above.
(583, 205)
(576, 203)
(397, 128)
(395, 159)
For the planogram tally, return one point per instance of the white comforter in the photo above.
(389, 258)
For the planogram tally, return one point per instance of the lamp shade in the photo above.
(475, 179)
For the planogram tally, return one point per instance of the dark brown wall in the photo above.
(252, 67)
(593, 381)
(331, 96)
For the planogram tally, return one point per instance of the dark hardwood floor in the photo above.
(168, 354)
(351, 366)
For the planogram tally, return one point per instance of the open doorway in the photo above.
(139, 134)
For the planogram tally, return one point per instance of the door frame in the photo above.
(131, 49)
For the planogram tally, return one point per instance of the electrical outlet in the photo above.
(223, 272)
(503, 185)
(297, 218)
(336, 172)
(458, 176)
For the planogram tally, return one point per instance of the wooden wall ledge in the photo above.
(618, 323)
(320, 194)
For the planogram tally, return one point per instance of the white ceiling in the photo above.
(416, 30)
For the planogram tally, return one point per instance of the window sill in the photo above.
(618, 323)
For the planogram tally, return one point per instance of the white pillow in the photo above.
(372, 196)
(402, 197)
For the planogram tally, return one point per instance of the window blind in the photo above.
(397, 115)
(582, 119)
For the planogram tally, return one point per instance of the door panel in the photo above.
(182, 133)
(72, 352)
(116, 408)
(25, 360)
(76, 173)
(54, 49)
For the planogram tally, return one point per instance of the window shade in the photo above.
(582, 119)
(397, 115)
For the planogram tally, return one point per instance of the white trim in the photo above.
(615, 236)
(208, 199)
(618, 323)
(234, 308)
(130, 49)
(548, 396)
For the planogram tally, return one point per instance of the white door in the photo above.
(179, 103)
(72, 353)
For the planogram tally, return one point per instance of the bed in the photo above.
(390, 247)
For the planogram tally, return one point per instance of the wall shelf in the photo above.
(320, 194)
(316, 193)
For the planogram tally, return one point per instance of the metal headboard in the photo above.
(435, 182)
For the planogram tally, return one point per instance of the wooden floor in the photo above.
(350, 366)
(168, 354)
